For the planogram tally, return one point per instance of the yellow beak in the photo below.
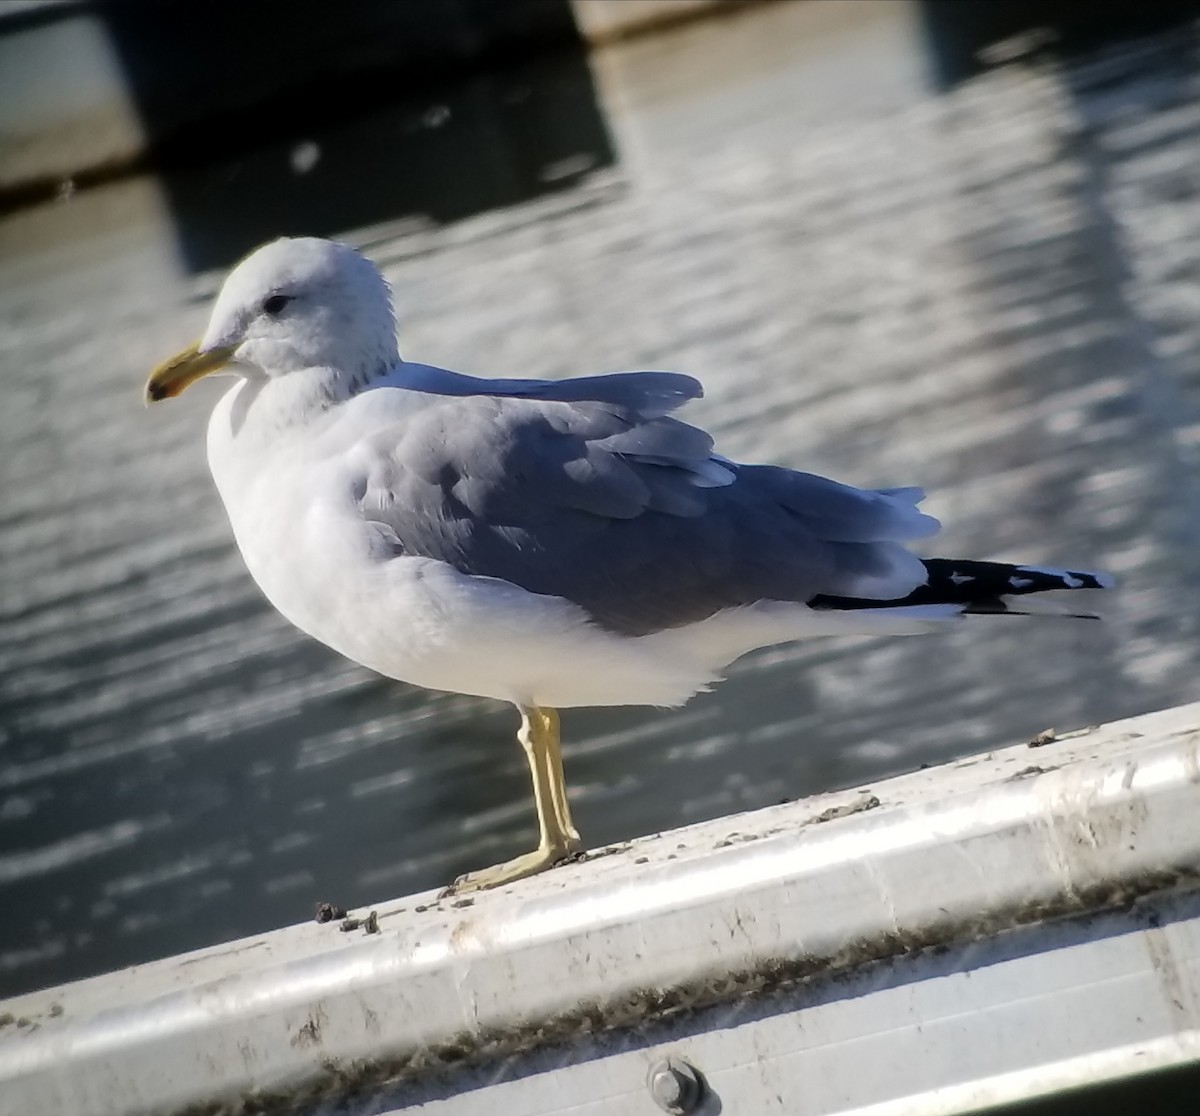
(184, 369)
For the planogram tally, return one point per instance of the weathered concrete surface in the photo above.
(703, 938)
(64, 104)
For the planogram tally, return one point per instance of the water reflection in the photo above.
(985, 291)
(498, 139)
(423, 112)
(967, 39)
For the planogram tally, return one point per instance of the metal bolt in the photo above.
(675, 1086)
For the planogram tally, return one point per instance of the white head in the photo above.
(291, 305)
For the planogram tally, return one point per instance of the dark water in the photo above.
(989, 291)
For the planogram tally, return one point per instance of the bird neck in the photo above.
(266, 407)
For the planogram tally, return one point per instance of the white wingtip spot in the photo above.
(1069, 580)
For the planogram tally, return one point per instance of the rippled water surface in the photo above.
(989, 291)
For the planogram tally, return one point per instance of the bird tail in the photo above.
(966, 588)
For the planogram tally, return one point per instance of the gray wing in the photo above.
(649, 394)
(614, 505)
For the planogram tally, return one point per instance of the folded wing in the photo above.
(587, 489)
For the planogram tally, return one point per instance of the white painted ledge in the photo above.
(814, 929)
(605, 21)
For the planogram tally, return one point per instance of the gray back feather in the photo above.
(588, 490)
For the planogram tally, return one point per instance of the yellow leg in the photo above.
(557, 837)
(558, 786)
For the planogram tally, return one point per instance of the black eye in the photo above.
(275, 304)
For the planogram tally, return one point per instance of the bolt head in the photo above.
(675, 1086)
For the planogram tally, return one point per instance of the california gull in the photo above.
(546, 543)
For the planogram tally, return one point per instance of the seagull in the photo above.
(550, 544)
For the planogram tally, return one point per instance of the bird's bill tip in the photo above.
(184, 369)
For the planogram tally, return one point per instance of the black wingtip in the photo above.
(984, 587)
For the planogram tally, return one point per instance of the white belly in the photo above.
(419, 620)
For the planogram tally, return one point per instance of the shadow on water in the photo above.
(1072, 298)
(965, 39)
(340, 117)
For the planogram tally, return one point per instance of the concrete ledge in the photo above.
(91, 90)
(608, 21)
(651, 934)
